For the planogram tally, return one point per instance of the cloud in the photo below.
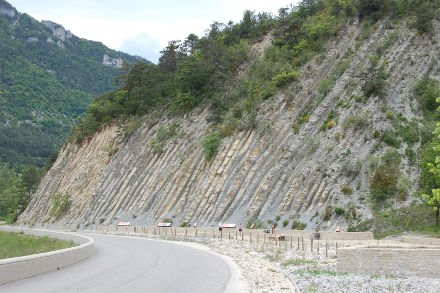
(142, 45)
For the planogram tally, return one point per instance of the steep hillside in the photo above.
(335, 141)
(48, 77)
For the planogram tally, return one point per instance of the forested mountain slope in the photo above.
(321, 116)
(48, 77)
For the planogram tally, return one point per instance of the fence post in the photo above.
(326, 249)
(302, 238)
(298, 242)
(186, 232)
(196, 233)
(311, 245)
(336, 249)
(291, 243)
(250, 237)
(318, 248)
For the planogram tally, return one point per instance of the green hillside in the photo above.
(48, 77)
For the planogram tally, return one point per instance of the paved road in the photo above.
(125, 264)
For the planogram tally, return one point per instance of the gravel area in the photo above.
(261, 267)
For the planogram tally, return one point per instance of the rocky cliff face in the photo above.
(312, 149)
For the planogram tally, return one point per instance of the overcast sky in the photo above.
(141, 27)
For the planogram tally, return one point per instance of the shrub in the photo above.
(327, 213)
(383, 184)
(210, 144)
(258, 224)
(376, 134)
(411, 155)
(357, 121)
(185, 224)
(339, 211)
(297, 225)
(61, 203)
(285, 223)
(325, 86)
(101, 221)
(375, 83)
(183, 103)
(277, 218)
(167, 220)
(427, 90)
(391, 139)
(346, 189)
(331, 124)
(285, 77)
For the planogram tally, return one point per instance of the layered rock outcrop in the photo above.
(279, 168)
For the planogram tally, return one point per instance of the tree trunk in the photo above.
(436, 216)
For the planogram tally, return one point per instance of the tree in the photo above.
(433, 199)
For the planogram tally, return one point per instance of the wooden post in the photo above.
(326, 249)
(291, 244)
(317, 250)
(311, 245)
(229, 235)
(336, 249)
(250, 237)
(298, 242)
(242, 235)
(196, 233)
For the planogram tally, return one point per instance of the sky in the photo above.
(141, 27)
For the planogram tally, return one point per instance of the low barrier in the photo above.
(18, 268)
(398, 260)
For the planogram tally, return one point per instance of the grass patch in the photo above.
(19, 244)
(61, 203)
(416, 218)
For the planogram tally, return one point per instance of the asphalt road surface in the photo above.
(126, 264)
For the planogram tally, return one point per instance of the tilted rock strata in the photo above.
(256, 174)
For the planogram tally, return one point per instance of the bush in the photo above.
(183, 103)
(285, 223)
(346, 189)
(384, 183)
(297, 225)
(210, 144)
(427, 90)
(167, 220)
(375, 83)
(285, 77)
(185, 224)
(61, 203)
(277, 218)
(391, 139)
(339, 211)
(327, 213)
(258, 224)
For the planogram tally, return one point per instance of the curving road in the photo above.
(128, 264)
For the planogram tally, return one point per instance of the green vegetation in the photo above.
(396, 221)
(185, 224)
(433, 198)
(44, 87)
(167, 220)
(346, 189)
(162, 135)
(210, 144)
(297, 225)
(257, 224)
(340, 211)
(19, 244)
(384, 183)
(60, 205)
(285, 223)
(15, 190)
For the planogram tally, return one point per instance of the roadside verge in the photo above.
(18, 268)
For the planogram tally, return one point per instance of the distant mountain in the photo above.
(48, 77)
